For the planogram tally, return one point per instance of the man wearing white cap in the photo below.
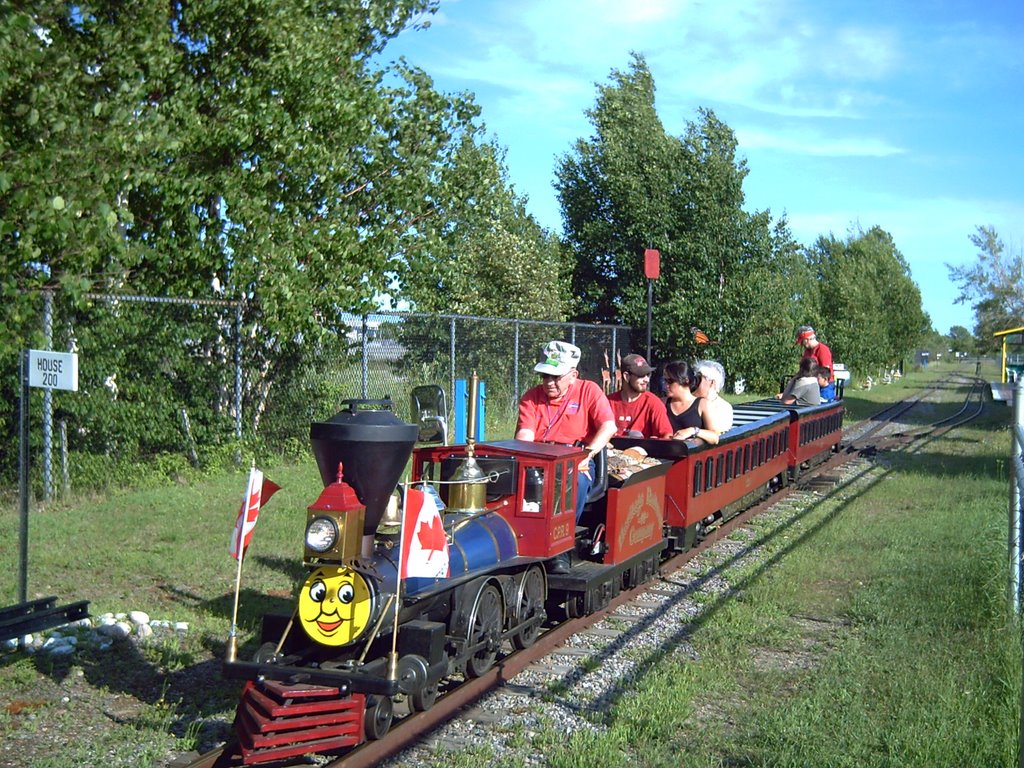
(568, 410)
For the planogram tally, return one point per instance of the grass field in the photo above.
(879, 635)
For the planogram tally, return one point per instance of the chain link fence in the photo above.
(170, 384)
(387, 354)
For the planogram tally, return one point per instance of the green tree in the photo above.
(871, 314)
(615, 193)
(494, 259)
(961, 340)
(257, 150)
(631, 186)
(994, 285)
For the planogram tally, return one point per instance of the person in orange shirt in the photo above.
(638, 411)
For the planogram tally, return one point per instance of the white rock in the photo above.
(107, 620)
(181, 626)
(115, 631)
(143, 630)
(62, 650)
(138, 617)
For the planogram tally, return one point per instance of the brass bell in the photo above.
(468, 492)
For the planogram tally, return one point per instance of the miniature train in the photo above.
(328, 674)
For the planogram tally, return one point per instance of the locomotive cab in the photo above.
(529, 485)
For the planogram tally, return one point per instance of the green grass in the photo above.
(875, 632)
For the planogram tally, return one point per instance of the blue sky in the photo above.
(905, 115)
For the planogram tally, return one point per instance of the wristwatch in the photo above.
(696, 431)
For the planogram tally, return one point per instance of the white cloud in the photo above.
(812, 143)
(859, 53)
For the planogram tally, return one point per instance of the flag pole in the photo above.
(393, 656)
(231, 652)
(232, 649)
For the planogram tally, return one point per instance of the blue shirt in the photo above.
(828, 394)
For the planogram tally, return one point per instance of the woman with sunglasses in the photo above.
(687, 413)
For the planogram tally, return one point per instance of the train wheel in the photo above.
(424, 698)
(485, 627)
(377, 719)
(576, 605)
(531, 603)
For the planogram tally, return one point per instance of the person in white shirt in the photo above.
(719, 417)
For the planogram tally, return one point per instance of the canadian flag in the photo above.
(424, 543)
(257, 492)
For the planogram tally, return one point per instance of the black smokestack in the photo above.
(373, 447)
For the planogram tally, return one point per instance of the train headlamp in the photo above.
(321, 534)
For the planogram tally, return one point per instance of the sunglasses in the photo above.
(552, 377)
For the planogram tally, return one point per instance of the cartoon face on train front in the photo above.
(334, 605)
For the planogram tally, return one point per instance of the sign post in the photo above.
(49, 370)
(23, 483)
(652, 270)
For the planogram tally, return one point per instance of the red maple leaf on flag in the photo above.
(432, 537)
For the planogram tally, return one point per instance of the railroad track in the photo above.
(866, 439)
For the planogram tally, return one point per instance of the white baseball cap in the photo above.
(557, 358)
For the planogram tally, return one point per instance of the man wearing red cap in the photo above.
(638, 411)
(806, 338)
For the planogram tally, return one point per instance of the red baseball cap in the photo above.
(636, 365)
(805, 332)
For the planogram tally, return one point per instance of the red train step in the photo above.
(276, 722)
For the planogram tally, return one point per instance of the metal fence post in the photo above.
(1016, 489)
(65, 469)
(366, 359)
(1016, 481)
(515, 363)
(47, 401)
(451, 357)
(238, 372)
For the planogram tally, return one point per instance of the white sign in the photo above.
(53, 370)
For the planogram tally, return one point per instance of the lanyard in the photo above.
(552, 420)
